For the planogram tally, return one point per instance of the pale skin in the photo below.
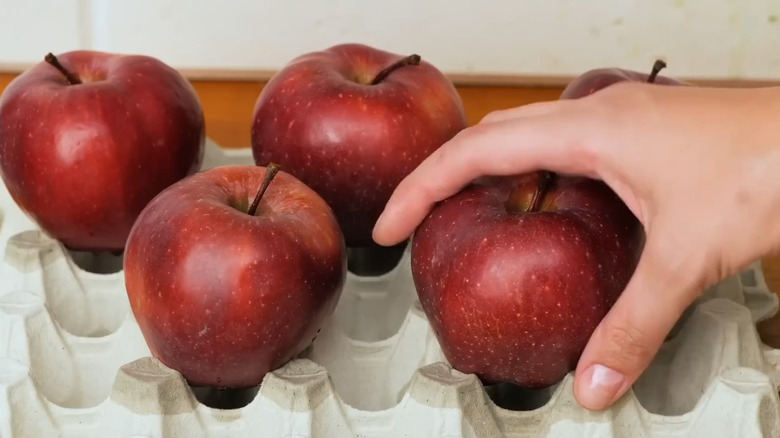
(698, 167)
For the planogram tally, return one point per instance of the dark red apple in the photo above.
(597, 79)
(87, 139)
(226, 289)
(515, 273)
(351, 122)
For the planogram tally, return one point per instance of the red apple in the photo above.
(351, 122)
(597, 79)
(515, 273)
(226, 289)
(88, 138)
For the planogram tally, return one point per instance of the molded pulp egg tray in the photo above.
(73, 363)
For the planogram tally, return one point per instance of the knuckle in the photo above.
(622, 91)
(614, 117)
(430, 191)
(453, 151)
(621, 102)
(442, 156)
(681, 266)
(626, 347)
(493, 115)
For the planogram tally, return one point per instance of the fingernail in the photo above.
(601, 385)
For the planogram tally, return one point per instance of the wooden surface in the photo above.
(228, 107)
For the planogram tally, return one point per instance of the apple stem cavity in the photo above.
(403, 62)
(71, 78)
(657, 67)
(270, 172)
(541, 189)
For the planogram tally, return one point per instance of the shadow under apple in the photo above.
(224, 398)
(373, 261)
(102, 262)
(516, 398)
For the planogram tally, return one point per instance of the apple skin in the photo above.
(597, 79)
(513, 296)
(224, 297)
(83, 160)
(349, 141)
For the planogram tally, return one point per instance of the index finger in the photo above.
(553, 141)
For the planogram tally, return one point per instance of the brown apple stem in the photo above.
(72, 79)
(657, 67)
(544, 183)
(403, 62)
(270, 173)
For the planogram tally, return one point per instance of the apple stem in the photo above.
(657, 67)
(409, 60)
(544, 183)
(72, 79)
(270, 173)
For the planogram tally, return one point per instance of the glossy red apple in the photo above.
(88, 138)
(351, 122)
(515, 273)
(597, 79)
(226, 289)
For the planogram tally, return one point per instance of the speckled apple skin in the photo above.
(349, 141)
(84, 160)
(514, 296)
(224, 297)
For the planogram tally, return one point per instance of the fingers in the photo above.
(551, 141)
(628, 338)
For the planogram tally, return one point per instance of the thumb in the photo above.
(627, 339)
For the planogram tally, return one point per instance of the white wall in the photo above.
(731, 39)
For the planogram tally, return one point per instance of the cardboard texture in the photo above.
(73, 363)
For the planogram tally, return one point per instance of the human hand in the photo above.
(697, 166)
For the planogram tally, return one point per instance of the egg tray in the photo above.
(73, 363)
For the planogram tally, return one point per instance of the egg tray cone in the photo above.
(73, 363)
